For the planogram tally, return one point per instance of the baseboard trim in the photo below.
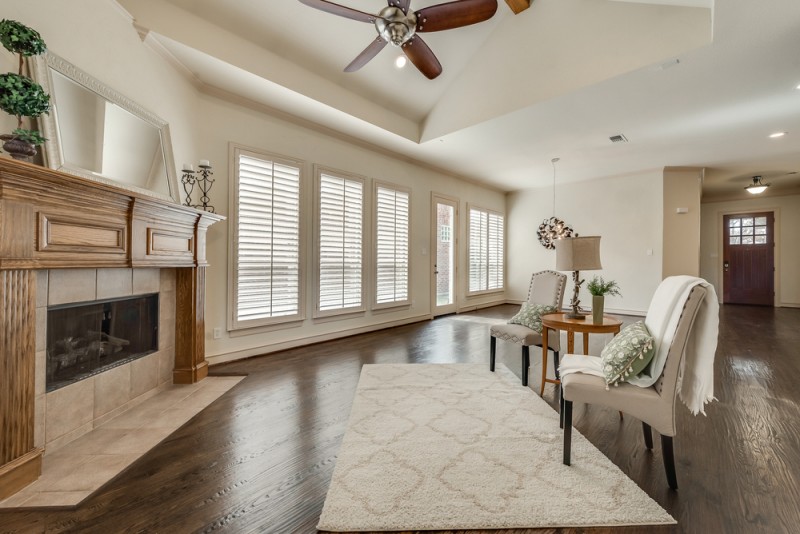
(481, 306)
(261, 350)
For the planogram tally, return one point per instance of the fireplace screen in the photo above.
(85, 339)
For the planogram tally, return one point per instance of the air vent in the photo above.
(619, 138)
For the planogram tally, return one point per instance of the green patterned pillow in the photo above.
(530, 315)
(627, 354)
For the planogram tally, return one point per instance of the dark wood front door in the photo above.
(749, 259)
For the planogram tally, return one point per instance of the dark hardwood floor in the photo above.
(260, 458)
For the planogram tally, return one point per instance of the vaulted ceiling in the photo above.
(691, 83)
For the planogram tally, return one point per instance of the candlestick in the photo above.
(202, 179)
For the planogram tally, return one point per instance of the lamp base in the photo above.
(573, 315)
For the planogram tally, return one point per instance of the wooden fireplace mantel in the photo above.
(54, 220)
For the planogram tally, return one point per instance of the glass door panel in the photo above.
(444, 235)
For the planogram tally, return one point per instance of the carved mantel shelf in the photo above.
(53, 220)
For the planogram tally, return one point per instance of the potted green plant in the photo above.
(19, 95)
(599, 288)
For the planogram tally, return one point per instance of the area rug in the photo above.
(455, 446)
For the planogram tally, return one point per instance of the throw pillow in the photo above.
(530, 315)
(627, 354)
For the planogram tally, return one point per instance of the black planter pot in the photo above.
(17, 148)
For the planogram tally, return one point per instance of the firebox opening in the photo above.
(87, 338)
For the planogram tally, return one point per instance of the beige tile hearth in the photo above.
(75, 471)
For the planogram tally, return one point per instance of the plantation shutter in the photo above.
(392, 242)
(486, 258)
(495, 245)
(341, 222)
(267, 239)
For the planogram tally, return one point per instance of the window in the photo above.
(444, 233)
(391, 245)
(267, 279)
(485, 250)
(748, 231)
(340, 226)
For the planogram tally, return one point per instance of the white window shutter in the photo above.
(341, 221)
(392, 245)
(267, 283)
(486, 245)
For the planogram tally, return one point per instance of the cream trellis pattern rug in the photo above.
(455, 446)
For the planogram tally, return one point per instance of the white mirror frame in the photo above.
(40, 68)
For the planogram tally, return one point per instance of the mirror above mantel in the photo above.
(95, 132)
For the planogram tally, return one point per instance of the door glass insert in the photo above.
(747, 231)
(445, 216)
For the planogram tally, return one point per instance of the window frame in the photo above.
(234, 324)
(319, 170)
(376, 184)
(489, 212)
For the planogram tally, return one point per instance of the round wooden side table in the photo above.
(586, 326)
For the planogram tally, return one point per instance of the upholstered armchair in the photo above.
(547, 287)
(653, 405)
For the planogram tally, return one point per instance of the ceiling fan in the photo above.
(397, 25)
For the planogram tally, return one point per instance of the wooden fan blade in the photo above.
(422, 57)
(342, 11)
(369, 52)
(402, 4)
(454, 14)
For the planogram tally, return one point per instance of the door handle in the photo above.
(726, 265)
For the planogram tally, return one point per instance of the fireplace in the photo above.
(54, 225)
(87, 338)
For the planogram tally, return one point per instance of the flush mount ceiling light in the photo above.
(776, 135)
(757, 186)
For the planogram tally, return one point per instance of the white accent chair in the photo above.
(547, 287)
(654, 406)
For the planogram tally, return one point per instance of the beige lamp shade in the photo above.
(578, 253)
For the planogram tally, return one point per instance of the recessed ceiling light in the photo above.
(798, 86)
(777, 134)
(400, 62)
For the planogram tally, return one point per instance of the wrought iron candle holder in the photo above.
(202, 178)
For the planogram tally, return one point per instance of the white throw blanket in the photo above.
(696, 377)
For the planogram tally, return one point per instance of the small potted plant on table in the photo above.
(599, 288)
(19, 95)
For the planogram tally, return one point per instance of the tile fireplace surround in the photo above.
(69, 412)
(65, 239)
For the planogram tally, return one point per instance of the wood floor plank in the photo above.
(261, 457)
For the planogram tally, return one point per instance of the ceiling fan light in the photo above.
(757, 187)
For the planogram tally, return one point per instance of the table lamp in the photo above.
(577, 254)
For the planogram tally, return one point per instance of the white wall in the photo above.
(682, 190)
(787, 245)
(625, 210)
(202, 126)
(98, 37)
(226, 122)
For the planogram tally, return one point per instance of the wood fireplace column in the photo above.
(20, 460)
(190, 344)
(190, 327)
